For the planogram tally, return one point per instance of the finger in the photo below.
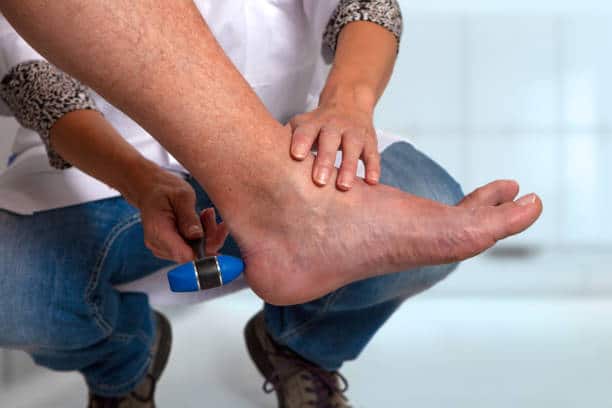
(209, 222)
(183, 204)
(512, 217)
(208, 219)
(158, 252)
(204, 216)
(161, 255)
(302, 139)
(215, 233)
(371, 160)
(216, 242)
(351, 151)
(151, 241)
(492, 194)
(329, 142)
(164, 238)
(298, 120)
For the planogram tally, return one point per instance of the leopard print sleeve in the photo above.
(39, 94)
(386, 13)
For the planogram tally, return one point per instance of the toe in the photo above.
(495, 193)
(512, 217)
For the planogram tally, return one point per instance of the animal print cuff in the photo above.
(386, 13)
(39, 94)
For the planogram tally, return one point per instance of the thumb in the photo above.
(187, 219)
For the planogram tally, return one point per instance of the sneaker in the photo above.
(298, 383)
(143, 396)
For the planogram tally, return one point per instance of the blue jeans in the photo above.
(57, 300)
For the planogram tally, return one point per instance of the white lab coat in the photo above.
(275, 44)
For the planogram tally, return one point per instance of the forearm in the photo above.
(62, 111)
(89, 142)
(363, 63)
(158, 62)
(38, 94)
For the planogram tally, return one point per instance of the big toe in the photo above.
(512, 217)
(495, 193)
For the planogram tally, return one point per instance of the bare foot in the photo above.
(302, 241)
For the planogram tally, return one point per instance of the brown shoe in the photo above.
(298, 383)
(143, 396)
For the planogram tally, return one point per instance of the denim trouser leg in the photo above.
(57, 300)
(337, 327)
(58, 269)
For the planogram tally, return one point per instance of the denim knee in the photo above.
(410, 170)
(42, 322)
(43, 298)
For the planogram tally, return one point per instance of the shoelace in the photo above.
(325, 382)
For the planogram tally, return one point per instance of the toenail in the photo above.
(527, 200)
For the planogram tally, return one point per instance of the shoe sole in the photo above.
(163, 349)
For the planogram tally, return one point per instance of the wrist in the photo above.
(356, 95)
(138, 174)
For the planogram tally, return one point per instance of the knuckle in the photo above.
(359, 133)
(330, 139)
(182, 258)
(352, 151)
(160, 255)
(185, 192)
(353, 138)
(327, 151)
(329, 131)
(297, 120)
(349, 168)
(334, 121)
(371, 156)
(326, 159)
(302, 135)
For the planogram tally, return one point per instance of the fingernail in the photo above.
(343, 184)
(527, 200)
(299, 151)
(195, 229)
(372, 178)
(322, 175)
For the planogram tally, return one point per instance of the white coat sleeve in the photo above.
(13, 51)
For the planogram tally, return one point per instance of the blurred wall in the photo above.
(500, 90)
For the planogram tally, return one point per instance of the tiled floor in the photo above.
(438, 351)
